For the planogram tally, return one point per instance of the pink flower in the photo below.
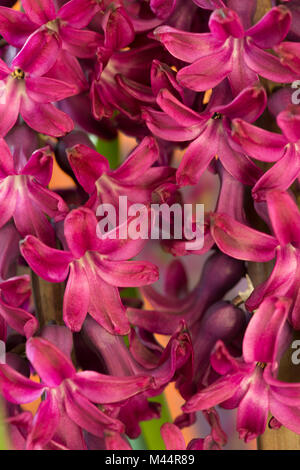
(24, 191)
(136, 178)
(180, 123)
(31, 94)
(68, 393)
(250, 386)
(271, 147)
(97, 266)
(229, 50)
(14, 296)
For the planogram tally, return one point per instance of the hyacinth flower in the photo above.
(161, 76)
(106, 94)
(243, 242)
(229, 50)
(230, 202)
(208, 131)
(99, 266)
(284, 279)
(42, 32)
(24, 191)
(249, 384)
(136, 178)
(169, 309)
(142, 358)
(31, 94)
(208, 318)
(14, 296)
(67, 392)
(271, 147)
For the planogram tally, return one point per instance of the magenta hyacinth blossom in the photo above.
(31, 94)
(136, 178)
(43, 33)
(249, 385)
(98, 266)
(67, 392)
(211, 127)
(14, 294)
(284, 149)
(24, 191)
(230, 51)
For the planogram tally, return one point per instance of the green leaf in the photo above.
(151, 429)
(139, 443)
(131, 292)
(111, 150)
(3, 434)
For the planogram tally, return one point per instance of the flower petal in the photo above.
(241, 241)
(289, 121)
(49, 263)
(49, 362)
(258, 143)
(110, 312)
(163, 126)
(288, 416)
(221, 390)
(80, 231)
(45, 118)
(285, 217)
(75, 306)
(18, 319)
(138, 162)
(100, 388)
(8, 199)
(47, 90)
(253, 409)
(39, 53)
(178, 111)
(208, 71)
(87, 415)
(184, 45)
(264, 330)
(125, 273)
(40, 11)
(16, 388)
(280, 280)
(45, 423)
(6, 160)
(15, 26)
(87, 164)
(40, 165)
(272, 28)
(267, 65)
(249, 104)
(280, 176)
(78, 13)
(81, 43)
(9, 114)
(172, 437)
(197, 156)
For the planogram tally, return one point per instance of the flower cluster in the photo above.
(205, 89)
